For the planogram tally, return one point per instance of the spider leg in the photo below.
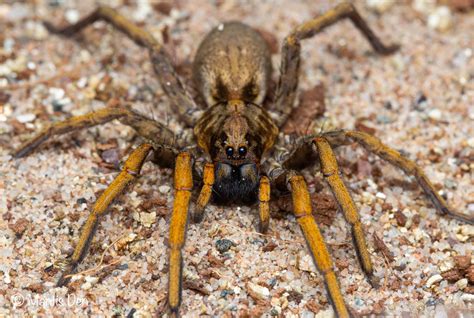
(183, 184)
(315, 241)
(264, 207)
(331, 173)
(147, 128)
(290, 61)
(129, 173)
(167, 76)
(205, 194)
(374, 145)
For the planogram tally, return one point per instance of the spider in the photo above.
(236, 136)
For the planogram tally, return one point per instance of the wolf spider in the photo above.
(236, 136)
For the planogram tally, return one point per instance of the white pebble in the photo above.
(467, 297)
(90, 281)
(433, 280)
(147, 219)
(381, 195)
(164, 189)
(306, 264)
(328, 313)
(259, 291)
(435, 114)
(72, 16)
(462, 283)
(26, 118)
(56, 92)
(424, 6)
(470, 207)
(380, 5)
(446, 265)
(441, 19)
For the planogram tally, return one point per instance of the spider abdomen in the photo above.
(232, 63)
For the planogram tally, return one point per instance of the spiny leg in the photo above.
(129, 173)
(290, 61)
(75, 123)
(205, 194)
(315, 241)
(264, 207)
(169, 79)
(183, 184)
(374, 145)
(147, 128)
(331, 173)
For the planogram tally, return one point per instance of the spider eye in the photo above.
(229, 151)
(242, 151)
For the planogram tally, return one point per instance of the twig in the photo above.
(87, 271)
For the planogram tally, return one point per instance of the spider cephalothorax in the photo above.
(235, 136)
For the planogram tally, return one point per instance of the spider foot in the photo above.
(390, 49)
(373, 281)
(263, 226)
(197, 216)
(66, 274)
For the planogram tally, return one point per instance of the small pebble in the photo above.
(432, 302)
(440, 19)
(306, 263)
(122, 266)
(111, 156)
(275, 311)
(259, 291)
(470, 208)
(462, 283)
(380, 5)
(450, 184)
(359, 302)
(470, 142)
(164, 189)
(56, 93)
(226, 292)
(435, 114)
(328, 313)
(433, 280)
(224, 245)
(424, 6)
(90, 281)
(380, 195)
(26, 118)
(147, 219)
(72, 16)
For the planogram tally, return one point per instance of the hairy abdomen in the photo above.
(232, 62)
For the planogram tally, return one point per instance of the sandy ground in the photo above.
(419, 100)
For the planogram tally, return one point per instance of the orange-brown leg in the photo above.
(129, 173)
(169, 79)
(205, 194)
(147, 128)
(374, 145)
(318, 249)
(183, 184)
(264, 206)
(331, 173)
(290, 60)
